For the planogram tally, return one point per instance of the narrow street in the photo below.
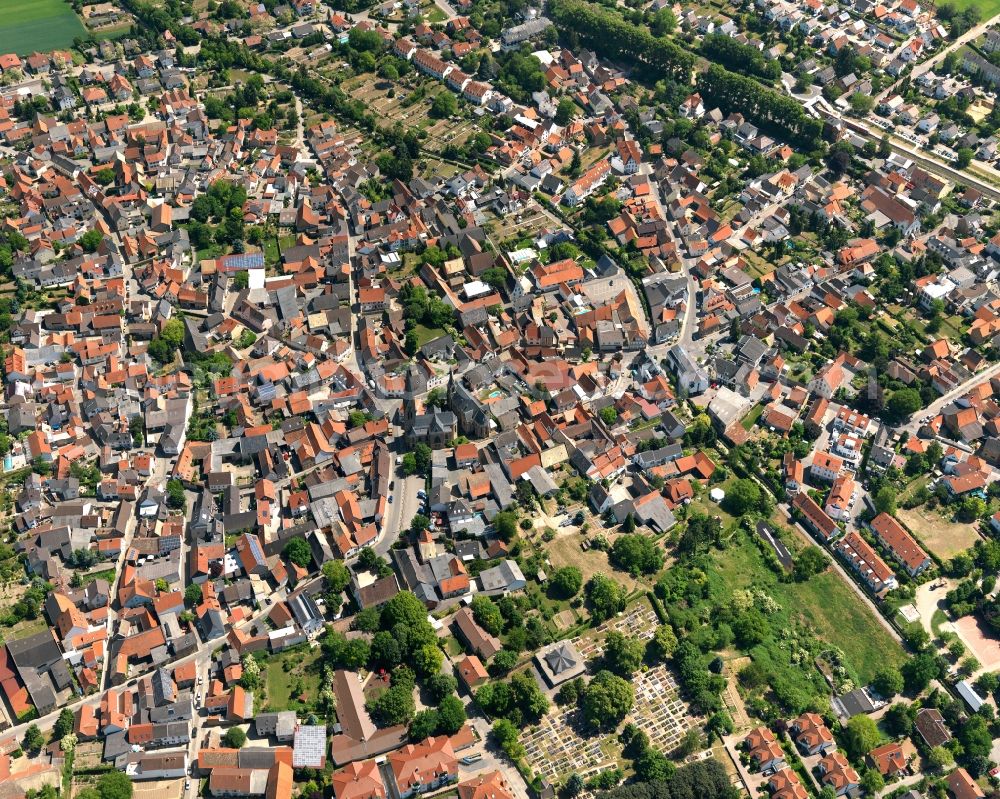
(403, 507)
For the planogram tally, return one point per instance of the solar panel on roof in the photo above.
(245, 260)
(255, 548)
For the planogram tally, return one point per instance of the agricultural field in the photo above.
(987, 8)
(27, 26)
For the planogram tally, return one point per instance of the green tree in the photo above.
(609, 415)
(336, 574)
(444, 105)
(663, 643)
(565, 111)
(451, 715)
(503, 662)
(250, 679)
(192, 595)
(720, 724)
(505, 733)
(298, 551)
(91, 240)
(744, 496)
(652, 766)
(404, 608)
(423, 454)
(357, 418)
(234, 738)
(440, 685)
(903, 403)
(505, 524)
(939, 758)
(394, 706)
(63, 725)
(175, 495)
(114, 785)
(622, 654)
(424, 725)
(419, 523)
(33, 739)
(899, 720)
(487, 614)
(809, 562)
(885, 500)
(428, 659)
(566, 582)
(861, 104)
(605, 597)
(872, 782)
(888, 682)
(637, 554)
(751, 628)
(861, 736)
(919, 671)
(964, 156)
(606, 700)
(975, 737)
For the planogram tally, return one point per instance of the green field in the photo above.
(824, 604)
(987, 8)
(27, 26)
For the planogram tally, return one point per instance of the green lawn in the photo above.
(292, 676)
(42, 25)
(271, 255)
(425, 334)
(937, 619)
(751, 418)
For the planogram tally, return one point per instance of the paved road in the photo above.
(970, 35)
(202, 656)
(928, 161)
(404, 506)
(300, 128)
(788, 81)
(936, 407)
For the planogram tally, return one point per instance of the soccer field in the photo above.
(27, 26)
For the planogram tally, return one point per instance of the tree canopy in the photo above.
(637, 554)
